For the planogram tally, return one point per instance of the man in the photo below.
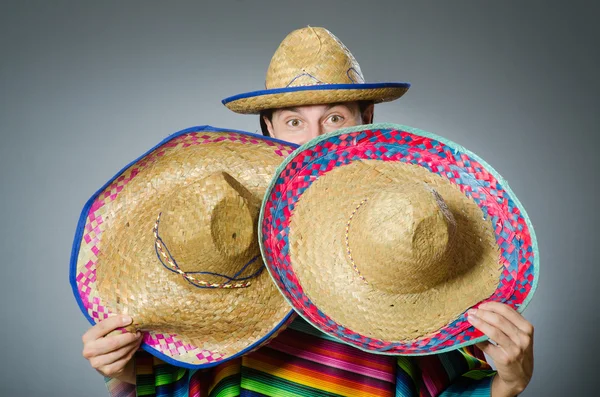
(315, 86)
(301, 124)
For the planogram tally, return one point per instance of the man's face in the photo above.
(302, 123)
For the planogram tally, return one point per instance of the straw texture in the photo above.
(209, 227)
(318, 96)
(409, 230)
(416, 281)
(313, 57)
(207, 186)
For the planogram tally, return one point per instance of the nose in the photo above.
(314, 130)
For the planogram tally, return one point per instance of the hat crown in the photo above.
(404, 231)
(312, 56)
(209, 226)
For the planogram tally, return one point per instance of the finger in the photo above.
(511, 314)
(104, 327)
(500, 322)
(109, 358)
(490, 349)
(118, 365)
(496, 353)
(489, 330)
(107, 345)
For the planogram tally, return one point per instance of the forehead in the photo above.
(307, 109)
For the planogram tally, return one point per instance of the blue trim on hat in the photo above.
(81, 225)
(361, 86)
(170, 360)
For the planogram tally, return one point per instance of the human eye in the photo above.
(336, 118)
(293, 123)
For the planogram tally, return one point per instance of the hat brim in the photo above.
(107, 274)
(513, 233)
(256, 101)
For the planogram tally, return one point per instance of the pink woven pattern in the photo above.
(85, 277)
(512, 233)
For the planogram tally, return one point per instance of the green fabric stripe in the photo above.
(145, 385)
(452, 363)
(408, 367)
(227, 387)
(471, 387)
(472, 362)
(261, 382)
(145, 389)
(255, 386)
(166, 374)
(479, 374)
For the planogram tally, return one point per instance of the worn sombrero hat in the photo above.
(383, 236)
(171, 240)
(311, 67)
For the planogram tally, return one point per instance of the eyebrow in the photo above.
(329, 106)
(332, 105)
(290, 109)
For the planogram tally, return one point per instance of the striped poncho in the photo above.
(302, 361)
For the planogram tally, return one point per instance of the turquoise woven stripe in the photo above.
(457, 149)
(472, 384)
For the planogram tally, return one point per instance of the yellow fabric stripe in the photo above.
(300, 378)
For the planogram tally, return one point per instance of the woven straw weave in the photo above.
(208, 187)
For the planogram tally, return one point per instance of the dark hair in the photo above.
(362, 106)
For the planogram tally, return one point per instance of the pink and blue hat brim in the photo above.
(513, 230)
(94, 310)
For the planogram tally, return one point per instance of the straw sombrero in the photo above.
(172, 241)
(383, 236)
(311, 67)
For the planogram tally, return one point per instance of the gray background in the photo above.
(85, 88)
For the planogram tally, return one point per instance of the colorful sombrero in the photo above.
(171, 240)
(383, 236)
(311, 67)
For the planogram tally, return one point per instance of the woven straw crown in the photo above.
(383, 236)
(400, 237)
(312, 66)
(312, 56)
(209, 227)
(171, 240)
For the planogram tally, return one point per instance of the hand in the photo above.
(110, 354)
(513, 352)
